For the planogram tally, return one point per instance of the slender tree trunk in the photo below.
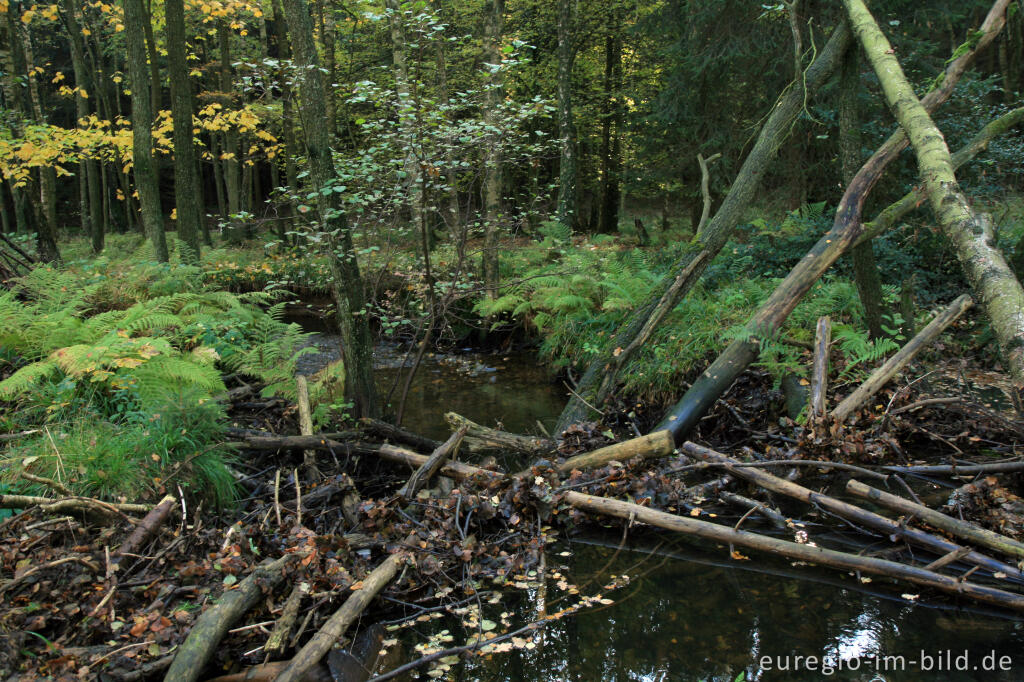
(188, 193)
(453, 217)
(24, 63)
(347, 285)
(144, 165)
(608, 220)
(406, 114)
(970, 234)
(230, 162)
(494, 20)
(865, 269)
(568, 169)
(154, 63)
(287, 123)
(88, 182)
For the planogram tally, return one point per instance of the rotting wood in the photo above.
(149, 525)
(278, 640)
(483, 439)
(948, 559)
(457, 470)
(446, 450)
(317, 647)
(211, 626)
(968, 531)
(793, 550)
(397, 434)
(883, 374)
(891, 528)
(819, 375)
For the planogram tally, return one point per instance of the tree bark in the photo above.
(230, 163)
(188, 194)
(347, 285)
(971, 234)
(143, 164)
(611, 147)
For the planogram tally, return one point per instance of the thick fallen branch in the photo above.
(892, 529)
(426, 470)
(268, 672)
(73, 504)
(210, 628)
(657, 444)
(968, 531)
(397, 434)
(483, 439)
(883, 374)
(769, 513)
(148, 526)
(322, 641)
(793, 550)
(959, 469)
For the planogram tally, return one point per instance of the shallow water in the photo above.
(689, 611)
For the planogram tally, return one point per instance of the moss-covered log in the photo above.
(971, 234)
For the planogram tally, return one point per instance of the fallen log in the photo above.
(483, 439)
(210, 628)
(426, 470)
(968, 531)
(769, 513)
(458, 470)
(819, 375)
(657, 444)
(892, 529)
(316, 648)
(397, 434)
(883, 374)
(793, 550)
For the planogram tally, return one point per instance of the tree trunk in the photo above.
(611, 146)
(230, 165)
(144, 165)
(347, 285)
(865, 269)
(602, 373)
(188, 192)
(566, 212)
(494, 20)
(970, 234)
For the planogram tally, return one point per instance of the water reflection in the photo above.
(689, 614)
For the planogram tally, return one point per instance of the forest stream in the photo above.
(680, 611)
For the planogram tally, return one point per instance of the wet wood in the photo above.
(209, 629)
(959, 469)
(769, 513)
(483, 439)
(396, 434)
(819, 375)
(268, 672)
(887, 371)
(793, 550)
(314, 650)
(962, 529)
(446, 450)
(893, 529)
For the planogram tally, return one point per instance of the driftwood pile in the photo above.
(382, 525)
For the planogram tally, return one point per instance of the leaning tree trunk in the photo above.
(347, 285)
(865, 268)
(144, 165)
(187, 189)
(970, 233)
(846, 231)
(601, 375)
